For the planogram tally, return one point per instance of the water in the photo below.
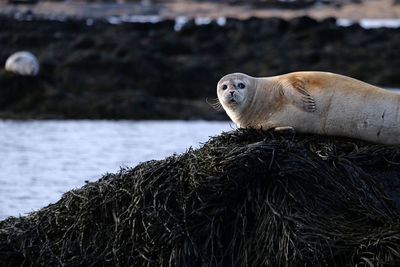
(40, 160)
(180, 21)
(371, 23)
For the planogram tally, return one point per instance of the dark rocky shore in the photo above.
(246, 198)
(151, 71)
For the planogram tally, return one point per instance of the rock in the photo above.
(23, 63)
(246, 198)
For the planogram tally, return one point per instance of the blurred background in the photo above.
(122, 82)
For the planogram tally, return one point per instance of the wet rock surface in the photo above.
(151, 71)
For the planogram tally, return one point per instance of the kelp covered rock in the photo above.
(145, 70)
(246, 198)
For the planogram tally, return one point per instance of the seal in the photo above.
(23, 63)
(312, 102)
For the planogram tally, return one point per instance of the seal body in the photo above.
(313, 102)
(23, 63)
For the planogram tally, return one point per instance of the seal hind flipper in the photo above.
(298, 95)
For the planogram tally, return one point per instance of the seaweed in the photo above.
(245, 198)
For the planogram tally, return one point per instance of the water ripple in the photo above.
(40, 160)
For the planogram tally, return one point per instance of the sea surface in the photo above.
(41, 160)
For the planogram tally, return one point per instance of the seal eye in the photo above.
(241, 85)
(224, 87)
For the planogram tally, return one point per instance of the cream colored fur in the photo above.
(313, 102)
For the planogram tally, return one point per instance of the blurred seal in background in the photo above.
(23, 63)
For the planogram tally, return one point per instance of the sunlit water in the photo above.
(40, 160)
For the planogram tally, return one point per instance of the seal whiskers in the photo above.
(216, 105)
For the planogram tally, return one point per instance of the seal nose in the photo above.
(231, 93)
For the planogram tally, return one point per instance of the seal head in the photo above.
(235, 91)
(232, 89)
(23, 63)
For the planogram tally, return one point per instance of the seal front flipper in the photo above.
(297, 94)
